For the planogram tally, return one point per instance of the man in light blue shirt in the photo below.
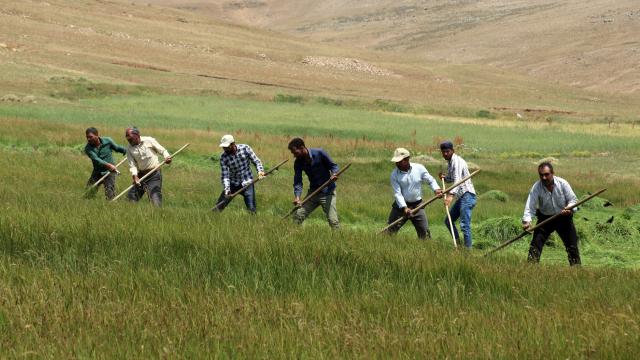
(406, 182)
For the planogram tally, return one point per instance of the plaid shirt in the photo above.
(236, 169)
(457, 170)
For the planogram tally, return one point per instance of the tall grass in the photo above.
(88, 278)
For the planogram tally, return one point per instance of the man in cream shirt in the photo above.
(142, 155)
(406, 182)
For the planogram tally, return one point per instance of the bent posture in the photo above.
(549, 196)
(100, 151)
(235, 166)
(465, 194)
(142, 155)
(319, 167)
(406, 181)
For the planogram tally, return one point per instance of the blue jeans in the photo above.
(461, 209)
(248, 194)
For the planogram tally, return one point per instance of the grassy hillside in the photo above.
(79, 276)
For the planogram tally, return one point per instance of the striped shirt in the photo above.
(407, 185)
(457, 170)
(549, 202)
(144, 156)
(236, 168)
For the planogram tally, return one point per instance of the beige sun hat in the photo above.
(226, 141)
(399, 154)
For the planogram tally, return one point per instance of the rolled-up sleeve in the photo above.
(224, 175)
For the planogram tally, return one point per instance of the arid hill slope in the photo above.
(190, 52)
(588, 44)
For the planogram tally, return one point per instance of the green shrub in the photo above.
(81, 88)
(284, 98)
(486, 114)
(328, 101)
(389, 106)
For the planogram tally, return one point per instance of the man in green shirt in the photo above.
(99, 150)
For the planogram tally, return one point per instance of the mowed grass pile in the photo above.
(87, 278)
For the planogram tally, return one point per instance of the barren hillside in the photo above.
(185, 51)
(589, 44)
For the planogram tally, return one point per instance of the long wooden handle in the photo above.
(105, 175)
(151, 172)
(529, 230)
(249, 184)
(424, 204)
(446, 209)
(315, 192)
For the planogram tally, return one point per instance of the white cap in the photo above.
(226, 141)
(400, 154)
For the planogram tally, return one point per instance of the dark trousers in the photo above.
(419, 220)
(109, 185)
(249, 195)
(151, 185)
(563, 225)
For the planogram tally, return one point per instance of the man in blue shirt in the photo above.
(99, 150)
(406, 182)
(319, 167)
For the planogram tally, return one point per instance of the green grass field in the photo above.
(88, 278)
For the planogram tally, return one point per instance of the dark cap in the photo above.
(446, 145)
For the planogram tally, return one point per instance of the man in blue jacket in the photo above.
(99, 150)
(319, 167)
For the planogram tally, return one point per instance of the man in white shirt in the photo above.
(465, 193)
(142, 155)
(549, 196)
(406, 182)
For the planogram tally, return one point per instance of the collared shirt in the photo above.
(456, 171)
(236, 167)
(549, 203)
(144, 156)
(318, 169)
(102, 155)
(407, 185)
